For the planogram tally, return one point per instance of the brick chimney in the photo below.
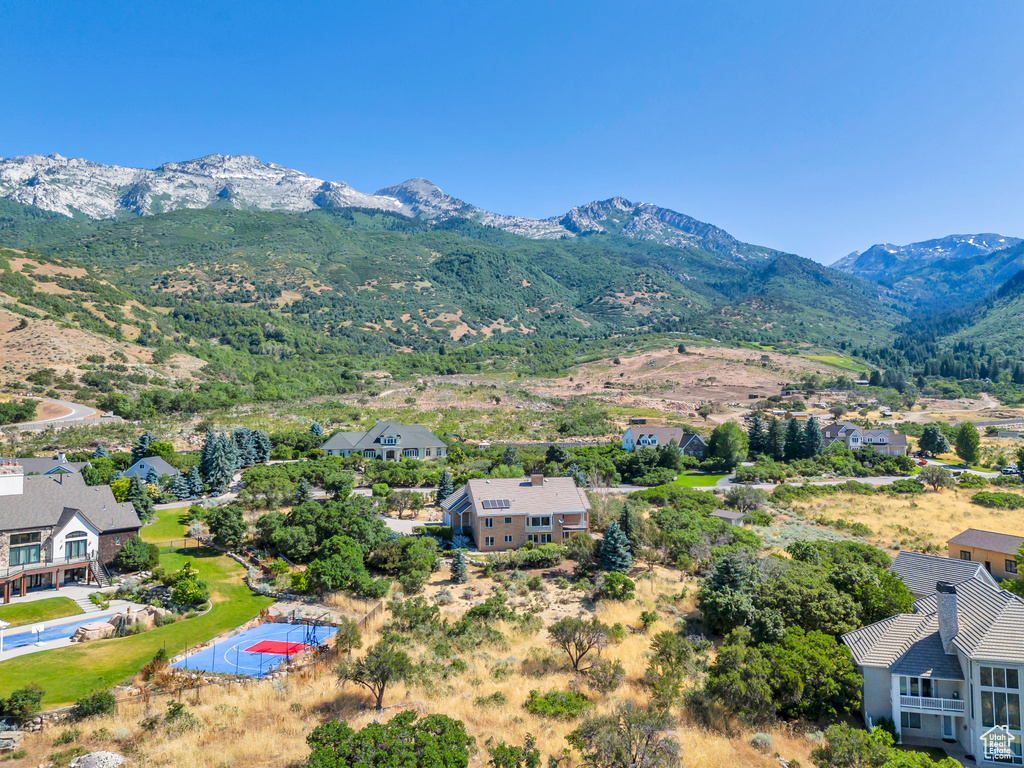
(537, 477)
(949, 624)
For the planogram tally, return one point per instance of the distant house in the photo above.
(921, 572)
(506, 513)
(996, 551)
(142, 468)
(689, 444)
(798, 415)
(54, 530)
(732, 517)
(854, 437)
(389, 441)
(951, 671)
(48, 465)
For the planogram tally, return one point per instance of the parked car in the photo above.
(922, 463)
(1009, 470)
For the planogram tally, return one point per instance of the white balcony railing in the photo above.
(926, 704)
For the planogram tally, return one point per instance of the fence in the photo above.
(167, 547)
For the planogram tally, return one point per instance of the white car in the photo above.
(1010, 470)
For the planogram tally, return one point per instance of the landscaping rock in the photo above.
(99, 760)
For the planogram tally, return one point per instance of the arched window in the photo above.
(77, 535)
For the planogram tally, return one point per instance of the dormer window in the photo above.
(389, 440)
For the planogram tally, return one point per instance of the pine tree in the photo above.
(302, 491)
(179, 487)
(775, 440)
(153, 478)
(756, 437)
(244, 444)
(628, 525)
(231, 451)
(207, 453)
(139, 499)
(794, 445)
(459, 574)
(575, 471)
(222, 467)
(615, 554)
(510, 457)
(968, 443)
(100, 452)
(445, 486)
(933, 441)
(141, 449)
(813, 439)
(261, 447)
(316, 430)
(195, 484)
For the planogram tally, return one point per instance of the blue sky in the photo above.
(813, 127)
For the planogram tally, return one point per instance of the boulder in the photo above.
(97, 630)
(99, 760)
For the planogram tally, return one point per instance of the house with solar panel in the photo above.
(949, 673)
(505, 513)
(387, 441)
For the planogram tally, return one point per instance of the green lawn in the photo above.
(38, 610)
(168, 524)
(695, 479)
(66, 674)
(840, 362)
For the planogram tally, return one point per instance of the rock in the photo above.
(99, 760)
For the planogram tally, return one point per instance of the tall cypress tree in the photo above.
(445, 485)
(794, 447)
(775, 440)
(813, 439)
(615, 555)
(628, 525)
(141, 449)
(756, 437)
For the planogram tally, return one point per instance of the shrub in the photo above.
(535, 582)
(969, 480)
(762, 742)
(496, 699)
(647, 619)
(905, 487)
(67, 736)
(616, 586)
(101, 703)
(998, 500)
(563, 705)
(606, 676)
(23, 703)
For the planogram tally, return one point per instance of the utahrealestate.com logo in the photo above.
(998, 743)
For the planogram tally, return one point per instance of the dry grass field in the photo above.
(266, 723)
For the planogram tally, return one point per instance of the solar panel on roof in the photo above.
(506, 504)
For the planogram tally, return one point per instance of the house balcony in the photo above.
(46, 564)
(934, 705)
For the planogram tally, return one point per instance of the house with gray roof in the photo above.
(387, 441)
(49, 465)
(143, 467)
(54, 529)
(642, 436)
(996, 551)
(854, 437)
(949, 671)
(921, 572)
(505, 513)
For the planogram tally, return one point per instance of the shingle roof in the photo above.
(665, 435)
(1005, 543)
(409, 436)
(921, 572)
(40, 466)
(157, 463)
(46, 497)
(558, 495)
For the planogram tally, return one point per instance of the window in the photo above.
(1000, 698)
(410, 453)
(488, 522)
(508, 538)
(427, 451)
(539, 522)
(389, 440)
(1011, 566)
(369, 454)
(488, 541)
(76, 535)
(916, 686)
(117, 541)
(539, 538)
(25, 548)
(910, 719)
(965, 555)
(508, 521)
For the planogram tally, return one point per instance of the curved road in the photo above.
(75, 412)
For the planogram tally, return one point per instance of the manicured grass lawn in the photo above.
(170, 524)
(67, 674)
(695, 479)
(38, 610)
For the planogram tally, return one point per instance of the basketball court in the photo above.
(258, 651)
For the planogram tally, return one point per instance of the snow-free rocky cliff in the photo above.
(72, 186)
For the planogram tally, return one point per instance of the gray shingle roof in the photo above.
(921, 572)
(558, 495)
(994, 542)
(42, 465)
(46, 497)
(409, 436)
(161, 467)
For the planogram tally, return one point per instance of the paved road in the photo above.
(75, 412)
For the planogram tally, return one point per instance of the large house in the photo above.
(854, 437)
(48, 465)
(950, 671)
(55, 529)
(389, 441)
(143, 467)
(689, 444)
(921, 572)
(996, 551)
(504, 513)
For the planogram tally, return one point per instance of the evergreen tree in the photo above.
(140, 500)
(813, 439)
(195, 484)
(794, 445)
(261, 446)
(968, 443)
(207, 453)
(510, 457)
(316, 430)
(575, 471)
(231, 451)
(615, 555)
(459, 574)
(933, 441)
(628, 525)
(141, 449)
(179, 487)
(302, 491)
(221, 465)
(775, 440)
(756, 437)
(100, 452)
(153, 478)
(445, 485)
(244, 445)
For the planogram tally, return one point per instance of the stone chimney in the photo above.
(536, 477)
(12, 479)
(949, 624)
